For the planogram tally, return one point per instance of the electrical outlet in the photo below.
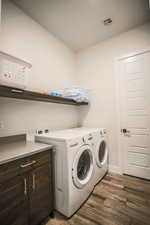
(38, 131)
(1, 124)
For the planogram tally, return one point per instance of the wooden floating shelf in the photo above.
(11, 92)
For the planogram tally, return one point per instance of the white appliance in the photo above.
(97, 137)
(101, 153)
(73, 169)
(13, 71)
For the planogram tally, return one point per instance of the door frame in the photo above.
(120, 168)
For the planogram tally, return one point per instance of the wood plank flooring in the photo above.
(116, 200)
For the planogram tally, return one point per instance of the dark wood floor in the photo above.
(116, 200)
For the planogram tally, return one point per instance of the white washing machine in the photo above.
(74, 168)
(97, 137)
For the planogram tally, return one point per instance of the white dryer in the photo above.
(101, 154)
(73, 169)
(97, 137)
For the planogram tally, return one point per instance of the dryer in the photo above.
(101, 154)
(74, 168)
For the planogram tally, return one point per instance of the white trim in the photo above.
(118, 115)
(142, 51)
(115, 169)
(118, 112)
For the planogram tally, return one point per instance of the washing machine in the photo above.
(97, 138)
(74, 169)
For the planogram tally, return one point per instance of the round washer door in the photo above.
(83, 168)
(101, 153)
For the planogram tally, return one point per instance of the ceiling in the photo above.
(79, 23)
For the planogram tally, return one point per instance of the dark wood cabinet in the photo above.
(26, 197)
(13, 202)
(41, 192)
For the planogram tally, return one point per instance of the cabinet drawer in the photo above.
(23, 165)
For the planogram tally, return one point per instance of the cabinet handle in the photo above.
(33, 182)
(16, 91)
(28, 164)
(25, 186)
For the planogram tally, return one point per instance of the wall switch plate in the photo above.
(39, 131)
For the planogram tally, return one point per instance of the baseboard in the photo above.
(115, 169)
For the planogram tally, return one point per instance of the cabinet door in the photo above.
(40, 194)
(13, 201)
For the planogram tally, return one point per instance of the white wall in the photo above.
(96, 71)
(53, 67)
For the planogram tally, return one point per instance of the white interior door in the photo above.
(134, 80)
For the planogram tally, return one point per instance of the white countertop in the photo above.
(20, 149)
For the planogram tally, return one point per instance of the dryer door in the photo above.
(101, 153)
(83, 167)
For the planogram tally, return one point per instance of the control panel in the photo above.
(14, 72)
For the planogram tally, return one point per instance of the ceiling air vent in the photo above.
(107, 21)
